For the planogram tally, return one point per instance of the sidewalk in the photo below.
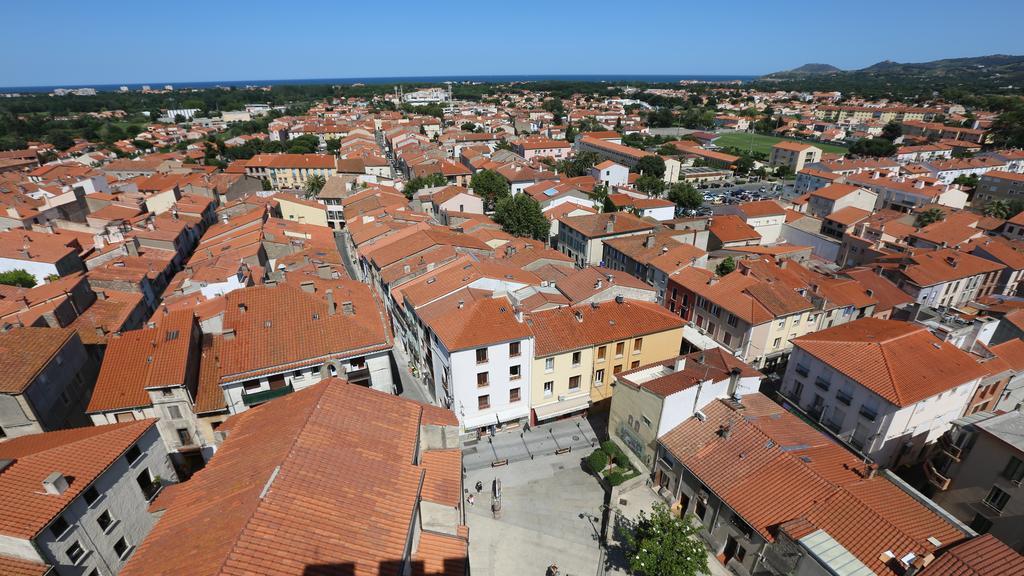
(576, 434)
(412, 388)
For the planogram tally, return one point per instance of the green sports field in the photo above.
(763, 144)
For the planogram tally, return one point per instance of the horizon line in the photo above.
(397, 78)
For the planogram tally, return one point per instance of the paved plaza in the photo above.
(550, 513)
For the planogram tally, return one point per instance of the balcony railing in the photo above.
(260, 397)
(802, 370)
(934, 477)
(822, 383)
(844, 397)
(951, 449)
(869, 414)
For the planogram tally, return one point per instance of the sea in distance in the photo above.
(427, 80)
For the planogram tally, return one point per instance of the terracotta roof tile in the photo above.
(24, 352)
(81, 454)
(899, 361)
(332, 461)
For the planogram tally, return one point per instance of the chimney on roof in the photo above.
(462, 303)
(308, 286)
(597, 285)
(725, 430)
(919, 184)
(347, 308)
(331, 308)
(783, 264)
(578, 315)
(649, 241)
(680, 363)
(56, 483)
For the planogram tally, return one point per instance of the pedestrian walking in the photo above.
(472, 500)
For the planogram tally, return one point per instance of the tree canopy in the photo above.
(685, 196)
(419, 182)
(489, 185)
(929, 216)
(314, 184)
(18, 277)
(874, 147)
(650, 185)
(892, 131)
(521, 215)
(665, 545)
(652, 165)
(725, 266)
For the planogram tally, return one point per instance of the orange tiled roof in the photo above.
(25, 352)
(814, 482)
(903, 363)
(140, 359)
(81, 454)
(312, 462)
(983, 555)
(571, 328)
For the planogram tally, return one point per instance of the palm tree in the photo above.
(314, 184)
(929, 216)
(997, 209)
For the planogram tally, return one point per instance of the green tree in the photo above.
(998, 209)
(873, 147)
(929, 216)
(667, 149)
(578, 165)
(650, 185)
(266, 185)
(333, 145)
(314, 184)
(666, 545)
(725, 266)
(419, 182)
(61, 139)
(967, 180)
(18, 277)
(685, 196)
(652, 165)
(468, 127)
(892, 131)
(744, 165)
(521, 215)
(489, 185)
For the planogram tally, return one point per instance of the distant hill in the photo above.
(809, 69)
(997, 70)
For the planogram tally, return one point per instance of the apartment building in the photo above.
(48, 378)
(481, 358)
(751, 318)
(654, 257)
(290, 170)
(618, 153)
(315, 463)
(582, 238)
(655, 398)
(834, 197)
(153, 373)
(794, 155)
(908, 194)
(977, 473)
(999, 185)
(720, 465)
(886, 388)
(580, 349)
(944, 277)
(77, 501)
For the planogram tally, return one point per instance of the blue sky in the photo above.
(113, 41)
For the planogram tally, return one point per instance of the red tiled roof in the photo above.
(571, 328)
(815, 483)
(899, 361)
(25, 352)
(80, 454)
(983, 555)
(317, 479)
(140, 359)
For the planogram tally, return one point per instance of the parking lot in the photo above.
(550, 513)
